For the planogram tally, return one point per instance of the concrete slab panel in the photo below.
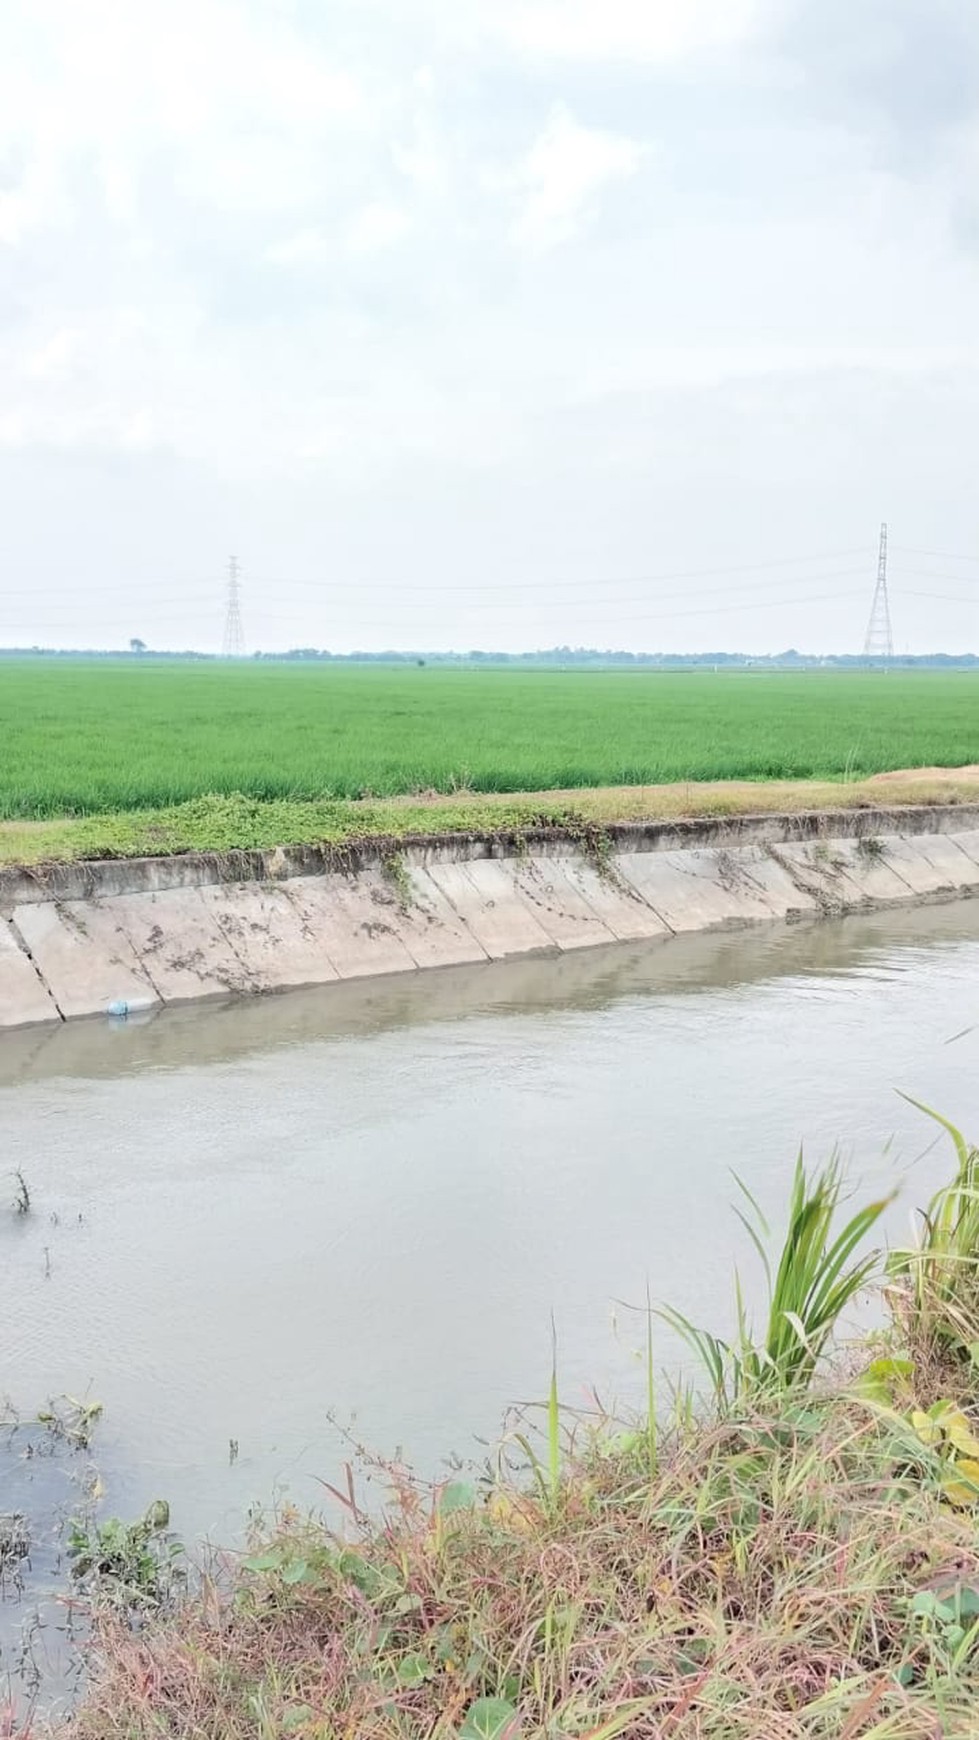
(485, 898)
(180, 945)
(760, 870)
(431, 929)
(269, 936)
(968, 843)
(868, 866)
(620, 907)
(696, 890)
(951, 858)
(355, 921)
(24, 999)
(558, 906)
(85, 960)
(904, 855)
(820, 871)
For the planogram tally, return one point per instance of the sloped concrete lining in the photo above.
(968, 842)
(866, 864)
(755, 866)
(954, 860)
(817, 872)
(621, 908)
(907, 859)
(484, 896)
(430, 905)
(24, 999)
(694, 891)
(269, 936)
(356, 921)
(936, 855)
(560, 908)
(86, 961)
(180, 945)
(430, 928)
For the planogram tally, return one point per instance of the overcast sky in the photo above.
(497, 323)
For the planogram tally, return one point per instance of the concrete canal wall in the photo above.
(98, 938)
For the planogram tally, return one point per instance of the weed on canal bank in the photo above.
(233, 821)
(800, 1562)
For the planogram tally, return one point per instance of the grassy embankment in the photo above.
(800, 1562)
(126, 758)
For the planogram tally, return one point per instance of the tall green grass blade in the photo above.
(939, 1301)
(652, 1425)
(816, 1277)
(534, 1464)
(554, 1425)
(547, 1472)
(754, 1235)
(712, 1353)
(961, 1145)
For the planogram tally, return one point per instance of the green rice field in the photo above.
(81, 738)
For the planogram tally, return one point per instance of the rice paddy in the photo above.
(101, 736)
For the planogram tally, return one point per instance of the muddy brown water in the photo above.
(366, 1202)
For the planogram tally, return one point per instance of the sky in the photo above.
(489, 323)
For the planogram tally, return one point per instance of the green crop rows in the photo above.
(81, 738)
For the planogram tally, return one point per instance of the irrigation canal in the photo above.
(362, 1204)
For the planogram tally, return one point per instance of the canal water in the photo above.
(253, 1225)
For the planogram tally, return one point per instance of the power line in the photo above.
(939, 597)
(600, 598)
(936, 555)
(195, 603)
(960, 580)
(720, 610)
(595, 609)
(233, 645)
(524, 586)
(481, 602)
(494, 586)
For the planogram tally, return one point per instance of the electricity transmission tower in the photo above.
(233, 645)
(879, 643)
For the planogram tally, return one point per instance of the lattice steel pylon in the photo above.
(879, 643)
(233, 645)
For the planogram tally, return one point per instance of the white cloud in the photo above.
(15, 216)
(239, 102)
(101, 426)
(566, 166)
(13, 432)
(308, 247)
(421, 159)
(647, 30)
(683, 366)
(377, 227)
(52, 359)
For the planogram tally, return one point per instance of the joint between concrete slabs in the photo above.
(42, 981)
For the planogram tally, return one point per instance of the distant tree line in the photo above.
(559, 657)
(565, 656)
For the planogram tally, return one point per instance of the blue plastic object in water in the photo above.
(119, 1008)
